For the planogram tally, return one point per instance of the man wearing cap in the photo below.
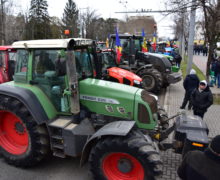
(202, 165)
(201, 99)
(190, 83)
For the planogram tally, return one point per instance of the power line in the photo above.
(149, 11)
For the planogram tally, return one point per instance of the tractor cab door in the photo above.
(3, 67)
(49, 74)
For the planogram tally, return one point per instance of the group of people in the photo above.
(197, 164)
(197, 94)
(197, 49)
(176, 56)
(215, 72)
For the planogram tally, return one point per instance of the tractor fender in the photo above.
(147, 66)
(117, 128)
(28, 98)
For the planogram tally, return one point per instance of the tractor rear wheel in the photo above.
(152, 80)
(22, 142)
(125, 158)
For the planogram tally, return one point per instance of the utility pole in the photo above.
(182, 45)
(191, 36)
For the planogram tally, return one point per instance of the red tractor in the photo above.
(7, 63)
(109, 70)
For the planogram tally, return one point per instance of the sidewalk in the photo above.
(200, 61)
(173, 101)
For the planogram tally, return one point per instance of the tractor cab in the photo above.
(7, 63)
(48, 68)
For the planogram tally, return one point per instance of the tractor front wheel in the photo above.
(22, 142)
(124, 158)
(152, 80)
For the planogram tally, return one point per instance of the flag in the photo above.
(118, 47)
(107, 43)
(144, 43)
(154, 42)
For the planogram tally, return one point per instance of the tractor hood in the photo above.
(108, 98)
(158, 60)
(122, 73)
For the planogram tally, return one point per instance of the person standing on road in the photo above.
(202, 165)
(217, 71)
(213, 71)
(190, 83)
(201, 99)
(205, 50)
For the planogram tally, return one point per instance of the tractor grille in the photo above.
(148, 98)
(143, 114)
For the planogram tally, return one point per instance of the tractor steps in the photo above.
(68, 138)
(56, 128)
(59, 154)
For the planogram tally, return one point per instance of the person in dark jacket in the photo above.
(198, 165)
(213, 72)
(217, 71)
(205, 50)
(201, 99)
(190, 83)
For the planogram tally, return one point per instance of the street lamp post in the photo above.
(191, 36)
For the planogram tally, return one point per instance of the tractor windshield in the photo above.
(108, 60)
(101, 45)
(137, 44)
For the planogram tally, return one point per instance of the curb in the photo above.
(167, 94)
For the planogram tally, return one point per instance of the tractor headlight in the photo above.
(137, 82)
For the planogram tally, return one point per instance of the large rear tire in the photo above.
(152, 80)
(125, 158)
(23, 143)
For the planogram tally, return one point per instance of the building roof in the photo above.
(51, 43)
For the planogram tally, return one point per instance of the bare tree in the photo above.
(211, 13)
(90, 24)
(2, 22)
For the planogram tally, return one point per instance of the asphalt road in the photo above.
(53, 168)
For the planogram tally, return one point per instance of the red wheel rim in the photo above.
(131, 168)
(13, 133)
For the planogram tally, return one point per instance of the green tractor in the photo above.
(55, 104)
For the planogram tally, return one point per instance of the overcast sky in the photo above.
(107, 8)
